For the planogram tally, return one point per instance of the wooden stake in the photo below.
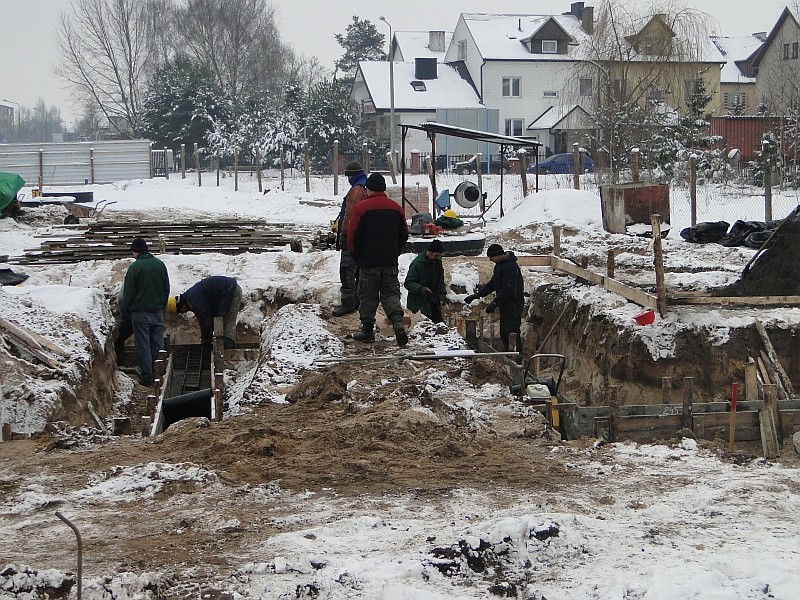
(556, 240)
(197, 165)
(258, 168)
(750, 381)
(183, 161)
(766, 418)
(666, 390)
(658, 261)
(732, 435)
(687, 422)
(335, 167)
(307, 166)
(613, 413)
(610, 264)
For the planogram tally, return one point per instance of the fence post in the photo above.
(523, 170)
(216, 162)
(335, 167)
(478, 169)
(258, 167)
(391, 167)
(307, 166)
(693, 190)
(197, 165)
(658, 262)
(183, 161)
(635, 165)
(283, 167)
(166, 166)
(577, 166)
(556, 240)
(767, 193)
(236, 170)
(91, 166)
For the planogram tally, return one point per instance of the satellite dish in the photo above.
(467, 194)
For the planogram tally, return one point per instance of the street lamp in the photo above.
(391, 93)
(18, 116)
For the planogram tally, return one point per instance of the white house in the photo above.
(421, 88)
(737, 80)
(525, 65)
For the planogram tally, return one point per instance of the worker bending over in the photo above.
(508, 286)
(215, 296)
(425, 282)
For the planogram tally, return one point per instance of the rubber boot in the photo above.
(399, 330)
(344, 309)
(366, 333)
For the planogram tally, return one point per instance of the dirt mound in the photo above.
(776, 272)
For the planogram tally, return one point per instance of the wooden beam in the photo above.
(684, 298)
(534, 261)
(773, 358)
(658, 261)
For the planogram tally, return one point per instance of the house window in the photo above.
(734, 100)
(794, 50)
(586, 87)
(462, 50)
(691, 87)
(655, 95)
(419, 86)
(511, 87)
(550, 94)
(549, 46)
(785, 51)
(514, 127)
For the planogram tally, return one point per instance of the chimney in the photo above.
(436, 41)
(425, 68)
(587, 19)
(576, 8)
(761, 36)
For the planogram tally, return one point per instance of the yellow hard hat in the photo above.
(450, 213)
(172, 305)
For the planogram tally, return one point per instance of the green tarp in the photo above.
(10, 184)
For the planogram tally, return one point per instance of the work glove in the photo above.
(469, 299)
(490, 308)
(426, 291)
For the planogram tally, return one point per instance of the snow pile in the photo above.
(143, 482)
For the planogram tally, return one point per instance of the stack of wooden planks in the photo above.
(110, 240)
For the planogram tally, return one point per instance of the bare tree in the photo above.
(107, 52)
(646, 65)
(238, 41)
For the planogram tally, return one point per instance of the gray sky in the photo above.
(29, 50)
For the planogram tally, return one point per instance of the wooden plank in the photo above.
(32, 338)
(650, 423)
(769, 435)
(684, 299)
(773, 375)
(773, 358)
(631, 293)
(534, 261)
(96, 418)
(658, 261)
(560, 264)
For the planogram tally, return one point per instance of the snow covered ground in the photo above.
(628, 522)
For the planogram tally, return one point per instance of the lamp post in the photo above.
(391, 92)
(18, 116)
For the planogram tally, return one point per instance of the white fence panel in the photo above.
(77, 162)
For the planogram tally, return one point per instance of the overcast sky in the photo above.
(29, 50)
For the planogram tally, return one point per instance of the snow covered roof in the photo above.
(500, 37)
(448, 90)
(554, 115)
(417, 44)
(733, 50)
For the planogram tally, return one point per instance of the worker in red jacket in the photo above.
(376, 236)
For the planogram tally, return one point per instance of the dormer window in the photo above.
(549, 46)
(419, 86)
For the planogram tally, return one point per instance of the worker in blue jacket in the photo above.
(215, 296)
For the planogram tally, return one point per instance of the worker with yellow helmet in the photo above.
(216, 296)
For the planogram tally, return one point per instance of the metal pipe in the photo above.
(80, 551)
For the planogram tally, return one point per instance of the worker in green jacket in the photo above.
(144, 297)
(425, 282)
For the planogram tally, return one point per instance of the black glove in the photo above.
(470, 298)
(490, 308)
(426, 291)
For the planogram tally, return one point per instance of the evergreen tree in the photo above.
(328, 115)
(181, 105)
(361, 42)
(247, 129)
(285, 129)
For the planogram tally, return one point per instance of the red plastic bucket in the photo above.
(645, 317)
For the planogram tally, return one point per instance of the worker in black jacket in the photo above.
(216, 296)
(508, 286)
